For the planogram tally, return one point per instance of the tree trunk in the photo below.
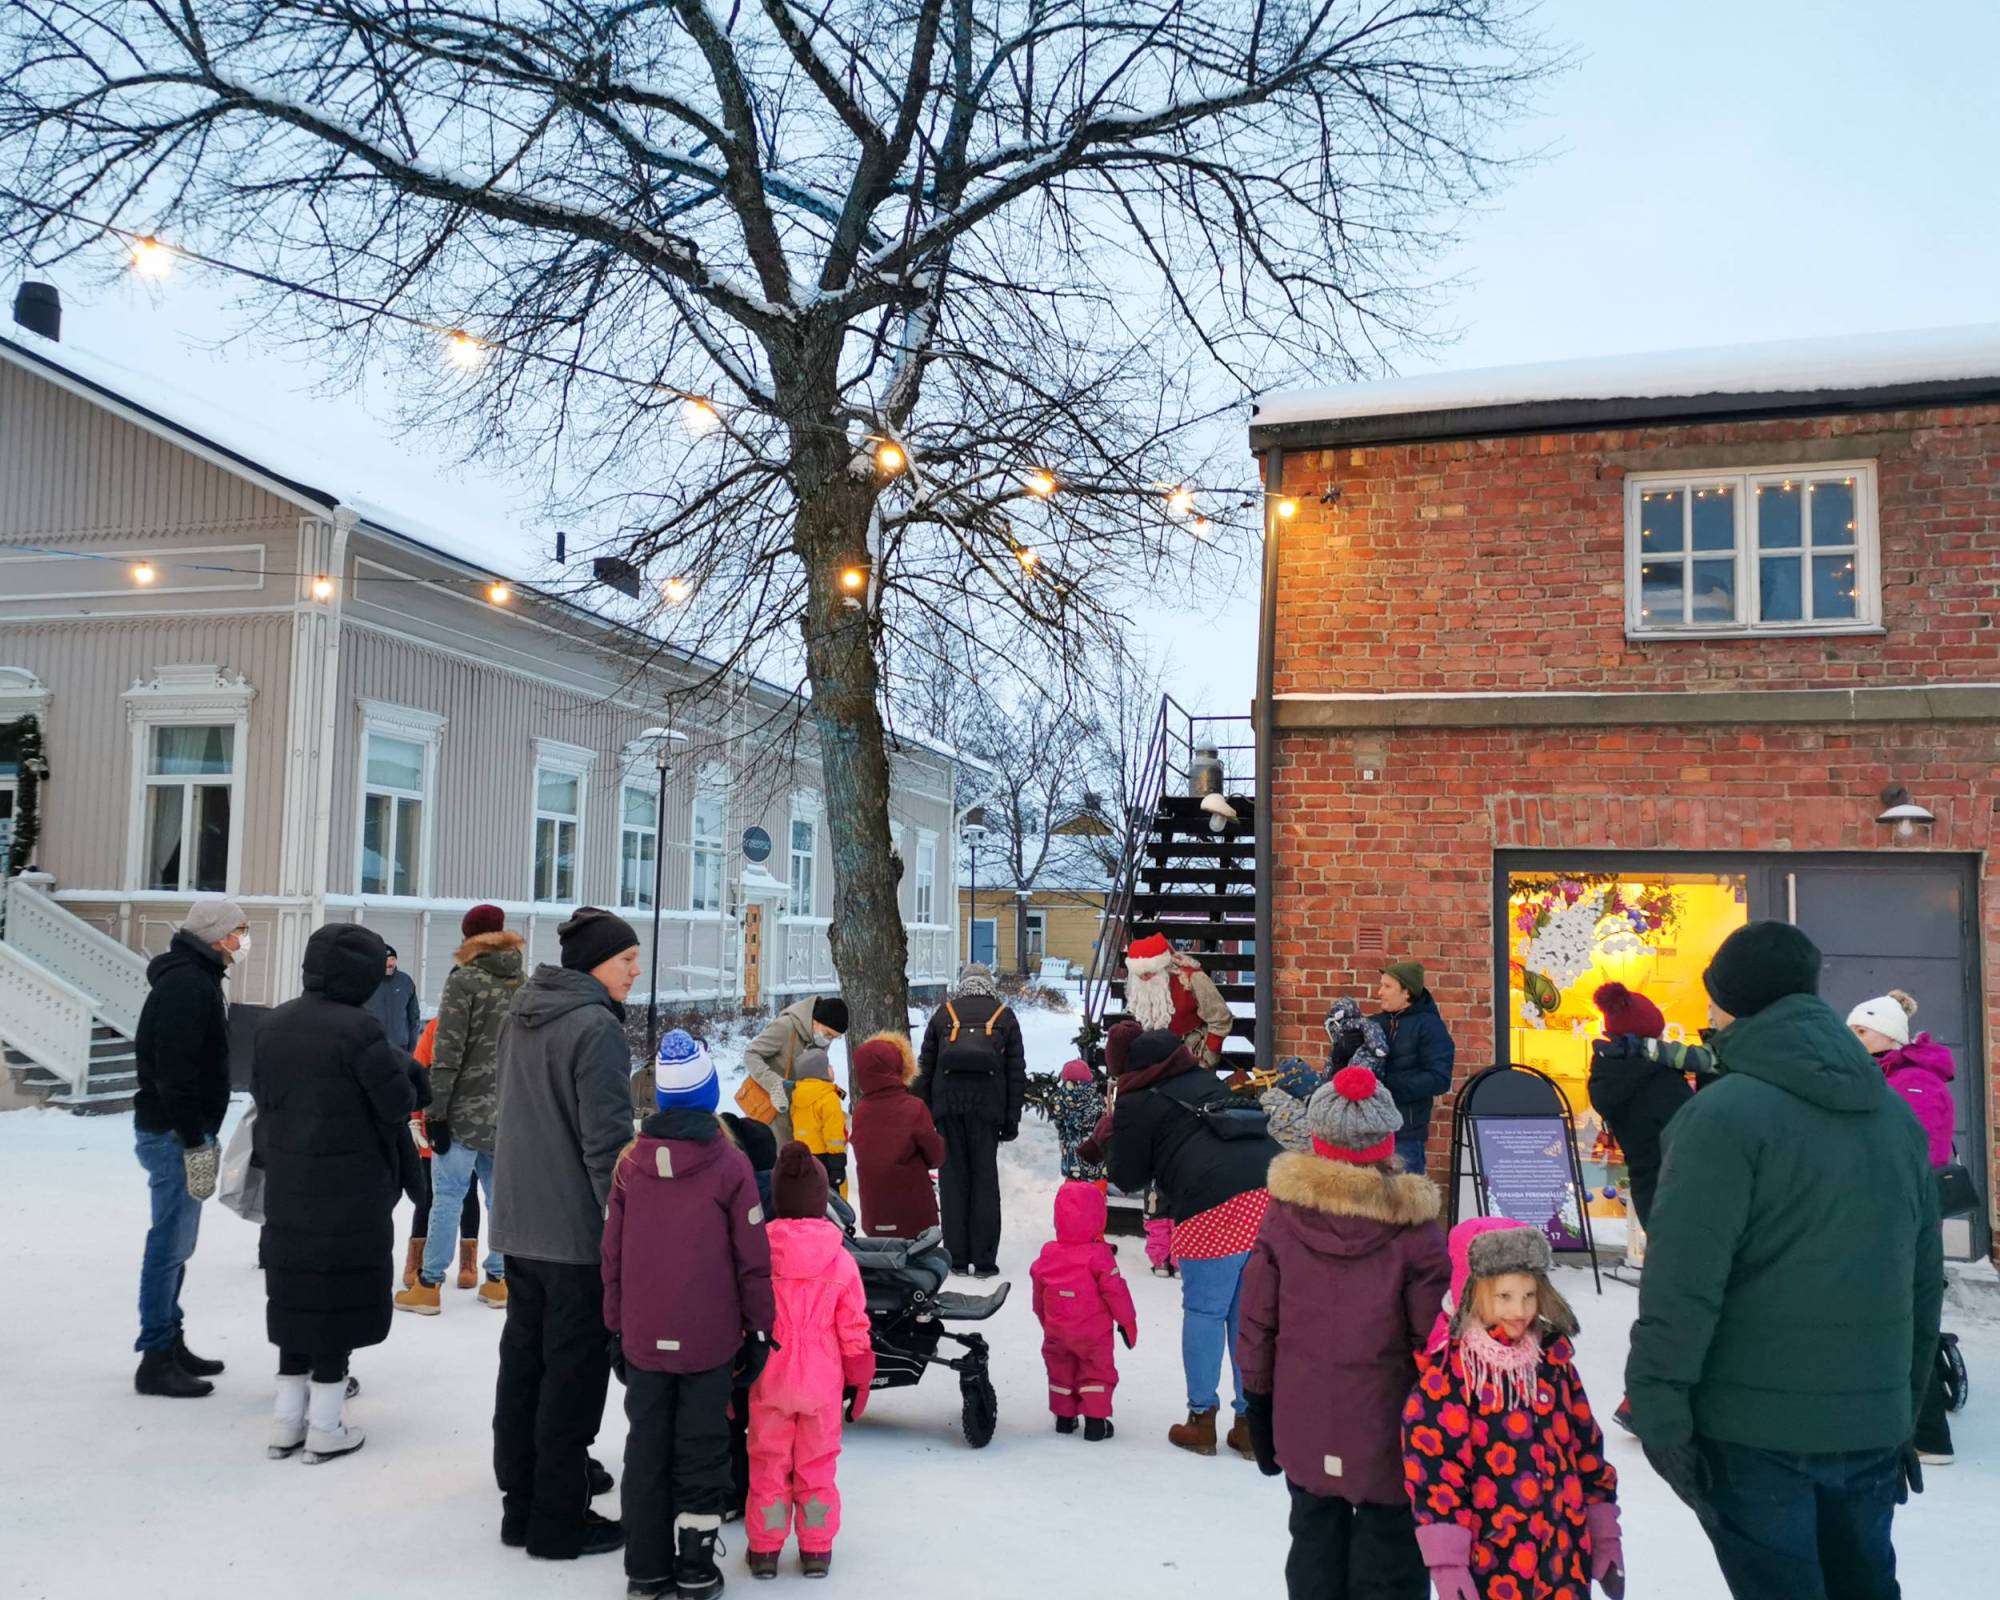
(870, 948)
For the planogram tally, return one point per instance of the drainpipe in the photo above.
(1266, 725)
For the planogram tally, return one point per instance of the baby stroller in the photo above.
(908, 1306)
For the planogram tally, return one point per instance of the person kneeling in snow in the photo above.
(1079, 1298)
(820, 1348)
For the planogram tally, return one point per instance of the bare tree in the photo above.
(1015, 240)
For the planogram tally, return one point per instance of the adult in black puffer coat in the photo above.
(332, 1098)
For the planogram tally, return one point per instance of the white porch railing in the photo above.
(85, 958)
(44, 1018)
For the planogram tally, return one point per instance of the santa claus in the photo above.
(1165, 988)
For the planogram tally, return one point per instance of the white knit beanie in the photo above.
(1888, 1014)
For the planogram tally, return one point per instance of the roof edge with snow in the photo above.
(1804, 377)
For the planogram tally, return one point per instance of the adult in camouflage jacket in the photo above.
(465, 1096)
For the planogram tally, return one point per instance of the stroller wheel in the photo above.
(982, 1409)
(1951, 1362)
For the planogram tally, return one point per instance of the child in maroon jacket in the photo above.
(896, 1145)
(1079, 1298)
(1338, 1297)
(687, 1300)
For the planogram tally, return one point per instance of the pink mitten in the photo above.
(1447, 1551)
(1607, 1549)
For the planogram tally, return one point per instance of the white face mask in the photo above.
(242, 946)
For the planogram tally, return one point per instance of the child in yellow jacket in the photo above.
(818, 1121)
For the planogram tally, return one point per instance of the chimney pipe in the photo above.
(38, 308)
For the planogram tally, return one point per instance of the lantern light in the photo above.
(698, 416)
(150, 258)
(322, 588)
(675, 591)
(1181, 502)
(1027, 557)
(890, 457)
(463, 351)
(1041, 483)
(143, 573)
(853, 579)
(499, 593)
(1199, 527)
(1288, 507)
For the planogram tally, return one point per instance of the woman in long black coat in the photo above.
(333, 1100)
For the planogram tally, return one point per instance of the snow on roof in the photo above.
(1791, 366)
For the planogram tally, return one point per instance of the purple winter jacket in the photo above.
(1339, 1295)
(1920, 1072)
(687, 1266)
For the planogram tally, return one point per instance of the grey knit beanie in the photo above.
(1353, 1112)
(213, 918)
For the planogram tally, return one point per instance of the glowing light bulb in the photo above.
(1041, 483)
(143, 573)
(676, 590)
(1027, 557)
(890, 457)
(853, 579)
(463, 351)
(1287, 507)
(698, 416)
(1199, 527)
(1181, 502)
(499, 593)
(150, 258)
(322, 588)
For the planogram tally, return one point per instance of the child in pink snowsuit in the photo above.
(819, 1349)
(1079, 1298)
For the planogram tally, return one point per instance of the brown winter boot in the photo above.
(422, 1299)
(1196, 1435)
(1239, 1439)
(493, 1292)
(413, 1258)
(468, 1267)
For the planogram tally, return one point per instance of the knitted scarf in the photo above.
(1509, 1368)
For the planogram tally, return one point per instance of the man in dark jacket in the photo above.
(973, 1074)
(1213, 1184)
(333, 1106)
(1788, 1314)
(565, 1113)
(1421, 1053)
(394, 1005)
(182, 1051)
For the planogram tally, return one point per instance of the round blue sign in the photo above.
(756, 845)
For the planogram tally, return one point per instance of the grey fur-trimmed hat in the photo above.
(1353, 1112)
(1505, 1250)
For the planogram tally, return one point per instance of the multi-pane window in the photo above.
(705, 874)
(190, 781)
(1038, 934)
(804, 855)
(558, 825)
(1784, 549)
(638, 845)
(925, 909)
(392, 815)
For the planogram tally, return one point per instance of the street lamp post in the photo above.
(664, 740)
(973, 829)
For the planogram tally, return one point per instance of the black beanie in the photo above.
(798, 1184)
(1150, 1049)
(830, 1011)
(592, 937)
(1759, 965)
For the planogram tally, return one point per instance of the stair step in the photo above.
(1199, 850)
(1233, 907)
(1215, 877)
(1181, 805)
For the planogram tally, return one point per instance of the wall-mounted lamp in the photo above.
(1902, 813)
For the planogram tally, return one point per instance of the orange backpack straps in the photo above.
(952, 1011)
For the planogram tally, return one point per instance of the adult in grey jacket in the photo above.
(565, 1113)
(394, 1005)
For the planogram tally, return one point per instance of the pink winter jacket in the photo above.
(821, 1337)
(1920, 1072)
(1079, 1294)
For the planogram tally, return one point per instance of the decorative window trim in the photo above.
(712, 782)
(1867, 618)
(646, 781)
(574, 761)
(418, 726)
(927, 845)
(189, 695)
(805, 808)
(22, 694)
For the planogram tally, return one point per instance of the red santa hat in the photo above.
(1144, 957)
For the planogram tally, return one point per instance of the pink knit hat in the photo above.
(1075, 1072)
(1460, 1246)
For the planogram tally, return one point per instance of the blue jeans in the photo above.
(1210, 1294)
(1807, 1527)
(169, 1241)
(451, 1175)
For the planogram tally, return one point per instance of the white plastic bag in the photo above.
(241, 1187)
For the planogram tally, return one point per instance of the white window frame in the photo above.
(197, 696)
(651, 790)
(1035, 920)
(1744, 481)
(569, 761)
(711, 787)
(415, 726)
(804, 809)
(923, 876)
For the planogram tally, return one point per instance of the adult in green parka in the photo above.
(1788, 1314)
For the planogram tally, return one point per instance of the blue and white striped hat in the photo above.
(684, 1077)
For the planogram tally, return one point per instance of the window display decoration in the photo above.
(1569, 920)
(21, 745)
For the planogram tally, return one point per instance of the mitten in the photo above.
(1913, 1474)
(202, 1162)
(1447, 1551)
(614, 1347)
(1683, 1469)
(857, 1402)
(1129, 1335)
(1010, 1132)
(440, 1137)
(750, 1359)
(1263, 1440)
(1607, 1550)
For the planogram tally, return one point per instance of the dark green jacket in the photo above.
(1794, 1268)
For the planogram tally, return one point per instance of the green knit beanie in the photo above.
(1409, 973)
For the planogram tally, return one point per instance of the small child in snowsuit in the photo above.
(1079, 1298)
(818, 1121)
(760, 1145)
(1502, 1458)
(896, 1145)
(1354, 1040)
(1284, 1103)
(1158, 1212)
(687, 1299)
(1075, 1108)
(820, 1350)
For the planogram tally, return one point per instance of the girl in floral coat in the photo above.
(1502, 1458)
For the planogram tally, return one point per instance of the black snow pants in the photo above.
(969, 1188)
(676, 1461)
(1350, 1550)
(554, 1370)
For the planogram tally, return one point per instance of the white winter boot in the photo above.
(329, 1434)
(288, 1416)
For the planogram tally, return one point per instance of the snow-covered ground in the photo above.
(103, 1493)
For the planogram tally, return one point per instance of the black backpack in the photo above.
(970, 1048)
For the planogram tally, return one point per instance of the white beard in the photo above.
(1150, 998)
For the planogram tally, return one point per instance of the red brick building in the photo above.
(1572, 668)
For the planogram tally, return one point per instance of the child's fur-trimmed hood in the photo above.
(1343, 1189)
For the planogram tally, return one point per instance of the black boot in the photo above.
(600, 1478)
(191, 1363)
(1097, 1429)
(601, 1535)
(160, 1374)
(1065, 1424)
(696, 1576)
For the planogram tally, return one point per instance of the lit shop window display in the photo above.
(1568, 934)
